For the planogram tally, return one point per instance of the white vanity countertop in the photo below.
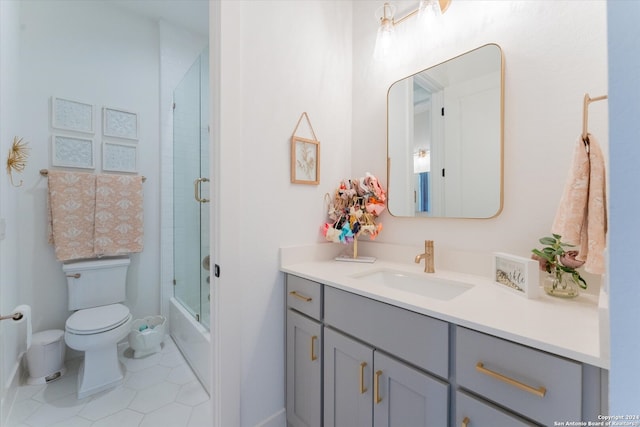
(569, 328)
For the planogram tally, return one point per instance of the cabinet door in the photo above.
(404, 396)
(304, 371)
(348, 367)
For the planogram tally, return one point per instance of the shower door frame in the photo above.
(190, 192)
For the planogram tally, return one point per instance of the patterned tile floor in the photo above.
(158, 391)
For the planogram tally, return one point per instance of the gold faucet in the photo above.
(427, 256)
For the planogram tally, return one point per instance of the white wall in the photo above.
(278, 59)
(624, 92)
(553, 56)
(11, 335)
(95, 53)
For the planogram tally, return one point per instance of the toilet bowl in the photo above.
(96, 331)
(96, 290)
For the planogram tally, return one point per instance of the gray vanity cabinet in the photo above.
(407, 396)
(348, 381)
(304, 371)
(417, 339)
(304, 352)
(400, 349)
(527, 382)
(473, 412)
(364, 387)
(356, 362)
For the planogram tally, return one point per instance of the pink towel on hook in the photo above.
(119, 227)
(71, 214)
(581, 218)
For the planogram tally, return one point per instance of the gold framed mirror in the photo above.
(445, 132)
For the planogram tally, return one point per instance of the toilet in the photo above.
(96, 289)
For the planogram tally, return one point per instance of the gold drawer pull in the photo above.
(363, 389)
(300, 296)
(75, 276)
(313, 348)
(465, 422)
(376, 387)
(540, 391)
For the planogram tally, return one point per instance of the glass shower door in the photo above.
(190, 191)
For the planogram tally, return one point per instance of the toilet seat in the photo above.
(97, 319)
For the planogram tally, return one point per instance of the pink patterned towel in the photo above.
(581, 218)
(119, 215)
(71, 213)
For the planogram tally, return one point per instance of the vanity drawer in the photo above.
(304, 296)
(415, 338)
(538, 385)
(473, 412)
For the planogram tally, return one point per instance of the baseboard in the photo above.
(11, 389)
(279, 419)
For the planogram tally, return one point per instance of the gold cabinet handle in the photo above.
(300, 296)
(540, 391)
(363, 389)
(196, 190)
(376, 387)
(75, 276)
(313, 348)
(465, 422)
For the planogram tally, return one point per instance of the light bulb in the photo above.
(385, 40)
(429, 12)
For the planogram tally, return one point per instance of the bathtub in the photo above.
(193, 340)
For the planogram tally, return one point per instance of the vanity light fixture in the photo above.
(428, 11)
(422, 161)
(386, 33)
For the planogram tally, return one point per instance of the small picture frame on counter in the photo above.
(516, 274)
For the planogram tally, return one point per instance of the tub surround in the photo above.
(572, 329)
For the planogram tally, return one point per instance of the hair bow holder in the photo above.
(353, 209)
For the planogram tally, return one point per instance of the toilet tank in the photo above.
(96, 282)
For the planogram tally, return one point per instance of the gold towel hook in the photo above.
(585, 115)
(17, 159)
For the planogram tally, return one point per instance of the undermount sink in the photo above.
(427, 285)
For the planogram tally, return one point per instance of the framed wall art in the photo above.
(119, 157)
(73, 152)
(119, 123)
(71, 115)
(305, 161)
(305, 156)
(517, 274)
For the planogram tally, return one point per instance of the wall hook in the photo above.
(17, 159)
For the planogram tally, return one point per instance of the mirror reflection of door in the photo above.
(427, 137)
(470, 158)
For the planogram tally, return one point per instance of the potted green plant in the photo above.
(563, 279)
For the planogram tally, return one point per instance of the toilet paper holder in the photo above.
(15, 316)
